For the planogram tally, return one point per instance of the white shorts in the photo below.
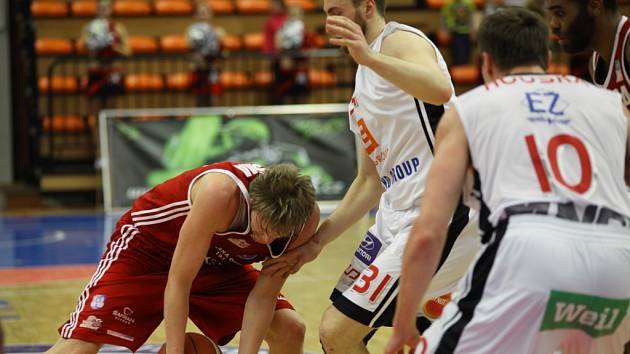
(366, 291)
(541, 285)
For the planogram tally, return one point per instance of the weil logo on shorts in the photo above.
(368, 250)
(597, 316)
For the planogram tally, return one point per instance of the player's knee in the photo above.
(287, 326)
(330, 330)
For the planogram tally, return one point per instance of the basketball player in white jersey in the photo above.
(598, 26)
(550, 153)
(401, 89)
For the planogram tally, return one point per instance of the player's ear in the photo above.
(370, 8)
(487, 70)
(549, 58)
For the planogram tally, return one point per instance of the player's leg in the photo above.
(74, 346)
(339, 333)
(119, 305)
(217, 302)
(286, 333)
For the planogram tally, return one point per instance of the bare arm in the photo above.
(422, 252)
(213, 195)
(122, 48)
(406, 60)
(259, 309)
(627, 174)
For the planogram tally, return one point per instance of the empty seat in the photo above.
(58, 84)
(221, 7)
(142, 44)
(173, 7)
(84, 8)
(435, 4)
(53, 46)
(263, 79)
(178, 81)
(253, 6)
(174, 44)
(64, 124)
(321, 78)
(443, 38)
(307, 5)
(253, 41)
(131, 8)
(144, 82)
(468, 74)
(234, 80)
(232, 42)
(42, 8)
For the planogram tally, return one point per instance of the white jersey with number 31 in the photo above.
(546, 138)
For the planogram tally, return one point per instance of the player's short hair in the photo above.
(515, 36)
(380, 5)
(283, 198)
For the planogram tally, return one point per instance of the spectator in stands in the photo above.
(285, 38)
(205, 41)
(457, 20)
(105, 39)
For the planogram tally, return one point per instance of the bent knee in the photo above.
(74, 346)
(338, 332)
(286, 326)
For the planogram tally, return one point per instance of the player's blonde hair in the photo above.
(283, 198)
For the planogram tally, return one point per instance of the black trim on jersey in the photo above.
(364, 316)
(434, 113)
(458, 223)
(484, 213)
(468, 303)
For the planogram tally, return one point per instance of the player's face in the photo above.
(275, 241)
(346, 9)
(570, 22)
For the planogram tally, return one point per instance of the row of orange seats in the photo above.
(68, 124)
(470, 74)
(164, 44)
(88, 8)
(144, 82)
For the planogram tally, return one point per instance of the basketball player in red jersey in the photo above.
(598, 26)
(185, 249)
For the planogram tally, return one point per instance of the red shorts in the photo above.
(124, 301)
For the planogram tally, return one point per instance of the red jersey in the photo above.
(615, 76)
(157, 217)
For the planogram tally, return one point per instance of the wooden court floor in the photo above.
(35, 300)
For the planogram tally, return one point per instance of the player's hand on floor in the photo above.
(346, 33)
(402, 337)
(299, 256)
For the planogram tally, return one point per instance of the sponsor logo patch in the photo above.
(120, 335)
(239, 243)
(92, 322)
(98, 301)
(124, 316)
(596, 316)
(369, 248)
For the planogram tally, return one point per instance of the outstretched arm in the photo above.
(422, 252)
(213, 195)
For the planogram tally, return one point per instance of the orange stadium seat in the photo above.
(58, 84)
(234, 80)
(443, 38)
(178, 81)
(131, 8)
(232, 42)
(174, 43)
(221, 7)
(63, 124)
(561, 69)
(84, 8)
(253, 41)
(144, 82)
(479, 3)
(142, 44)
(40, 8)
(173, 7)
(468, 74)
(307, 5)
(435, 4)
(263, 79)
(319, 41)
(253, 6)
(321, 78)
(53, 46)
